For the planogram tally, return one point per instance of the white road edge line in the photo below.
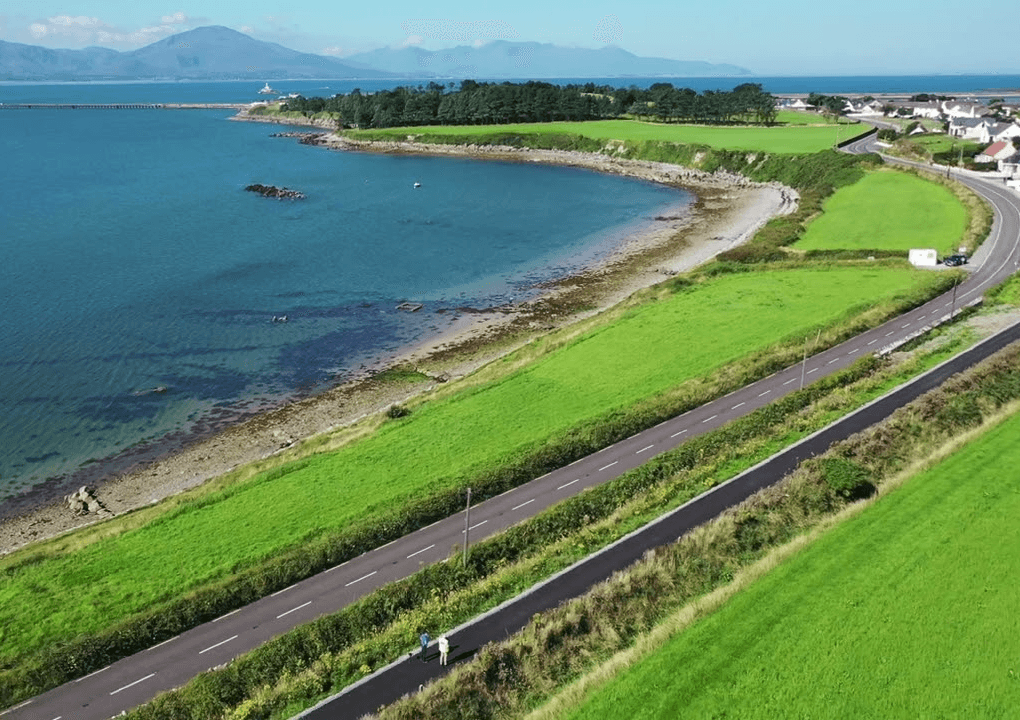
(363, 577)
(293, 609)
(568, 484)
(644, 448)
(164, 642)
(606, 467)
(419, 552)
(213, 647)
(27, 702)
(518, 507)
(280, 592)
(228, 614)
(133, 684)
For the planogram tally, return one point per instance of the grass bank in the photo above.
(561, 647)
(293, 672)
(574, 384)
(908, 609)
(785, 140)
(888, 210)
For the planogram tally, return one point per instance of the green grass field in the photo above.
(909, 610)
(800, 117)
(651, 348)
(942, 143)
(888, 210)
(781, 140)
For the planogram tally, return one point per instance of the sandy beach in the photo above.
(728, 210)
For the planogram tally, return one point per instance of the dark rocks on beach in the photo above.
(275, 192)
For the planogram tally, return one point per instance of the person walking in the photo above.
(424, 638)
(444, 649)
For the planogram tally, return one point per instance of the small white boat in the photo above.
(417, 185)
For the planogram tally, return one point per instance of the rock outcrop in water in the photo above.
(275, 192)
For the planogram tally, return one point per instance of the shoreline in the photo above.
(727, 211)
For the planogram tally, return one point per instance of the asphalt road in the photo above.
(137, 679)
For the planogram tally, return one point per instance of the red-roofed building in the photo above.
(996, 151)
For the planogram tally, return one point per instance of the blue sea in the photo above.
(133, 260)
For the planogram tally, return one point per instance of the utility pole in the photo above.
(803, 367)
(467, 524)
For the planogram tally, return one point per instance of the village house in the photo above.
(870, 108)
(1001, 150)
(956, 109)
(930, 110)
(983, 130)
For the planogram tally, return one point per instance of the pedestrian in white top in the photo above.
(444, 649)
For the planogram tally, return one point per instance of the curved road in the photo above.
(137, 679)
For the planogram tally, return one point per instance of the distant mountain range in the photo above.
(219, 53)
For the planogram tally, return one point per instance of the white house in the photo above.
(982, 130)
(1005, 131)
(1000, 150)
(955, 109)
(799, 104)
(930, 110)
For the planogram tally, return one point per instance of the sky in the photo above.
(769, 37)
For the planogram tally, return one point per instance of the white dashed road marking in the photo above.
(764, 393)
(568, 484)
(133, 684)
(709, 419)
(419, 552)
(363, 577)
(606, 467)
(293, 609)
(643, 449)
(736, 406)
(518, 507)
(678, 433)
(211, 647)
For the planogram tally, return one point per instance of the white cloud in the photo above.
(412, 41)
(85, 30)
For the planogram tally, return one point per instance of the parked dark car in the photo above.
(954, 260)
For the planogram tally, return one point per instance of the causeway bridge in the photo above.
(123, 106)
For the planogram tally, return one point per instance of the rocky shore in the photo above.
(728, 211)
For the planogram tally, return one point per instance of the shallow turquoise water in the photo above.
(133, 258)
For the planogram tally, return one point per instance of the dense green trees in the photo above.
(475, 103)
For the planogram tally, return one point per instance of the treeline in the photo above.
(475, 103)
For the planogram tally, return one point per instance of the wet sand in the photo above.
(728, 211)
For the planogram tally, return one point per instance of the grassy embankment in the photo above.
(840, 631)
(914, 213)
(908, 610)
(780, 140)
(939, 148)
(712, 324)
(188, 514)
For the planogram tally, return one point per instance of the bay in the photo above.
(139, 280)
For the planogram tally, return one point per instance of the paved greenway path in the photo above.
(137, 679)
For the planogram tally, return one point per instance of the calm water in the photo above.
(246, 91)
(133, 259)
